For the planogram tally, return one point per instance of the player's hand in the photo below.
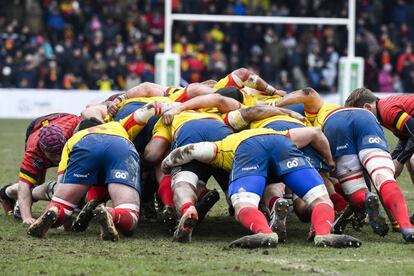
(113, 106)
(28, 221)
(168, 116)
(280, 92)
(398, 168)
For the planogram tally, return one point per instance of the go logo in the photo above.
(374, 140)
(292, 164)
(122, 175)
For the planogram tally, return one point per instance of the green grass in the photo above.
(150, 250)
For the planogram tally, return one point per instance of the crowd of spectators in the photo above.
(110, 45)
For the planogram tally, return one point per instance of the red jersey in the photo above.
(394, 112)
(35, 163)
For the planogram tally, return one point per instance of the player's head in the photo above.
(51, 142)
(89, 122)
(362, 98)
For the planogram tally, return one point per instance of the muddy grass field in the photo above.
(150, 251)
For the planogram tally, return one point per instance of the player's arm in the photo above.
(223, 104)
(313, 136)
(29, 176)
(159, 144)
(203, 152)
(306, 96)
(244, 77)
(241, 118)
(407, 148)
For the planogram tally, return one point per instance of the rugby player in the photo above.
(396, 114)
(45, 138)
(248, 155)
(357, 142)
(101, 151)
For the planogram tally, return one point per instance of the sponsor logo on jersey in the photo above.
(120, 174)
(373, 139)
(342, 147)
(251, 168)
(78, 175)
(38, 163)
(292, 163)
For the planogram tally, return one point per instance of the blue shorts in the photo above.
(99, 159)
(202, 130)
(351, 130)
(316, 160)
(145, 135)
(258, 154)
(299, 181)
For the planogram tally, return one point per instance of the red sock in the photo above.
(64, 212)
(357, 199)
(338, 189)
(272, 202)
(339, 202)
(125, 219)
(254, 220)
(323, 216)
(99, 193)
(185, 206)
(394, 200)
(165, 192)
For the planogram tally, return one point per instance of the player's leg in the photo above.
(278, 208)
(245, 194)
(308, 185)
(380, 167)
(8, 197)
(65, 199)
(184, 186)
(410, 168)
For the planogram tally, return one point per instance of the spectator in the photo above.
(385, 79)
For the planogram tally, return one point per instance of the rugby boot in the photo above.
(81, 222)
(359, 220)
(206, 203)
(408, 234)
(6, 201)
(148, 212)
(395, 226)
(278, 216)
(342, 220)
(376, 220)
(186, 225)
(337, 241)
(169, 217)
(259, 240)
(16, 211)
(104, 219)
(311, 234)
(40, 227)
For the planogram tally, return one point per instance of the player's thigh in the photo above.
(72, 193)
(121, 194)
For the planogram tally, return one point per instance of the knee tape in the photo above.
(66, 205)
(315, 193)
(185, 176)
(379, 165)
(245, 197)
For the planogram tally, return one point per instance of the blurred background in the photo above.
(110, 45)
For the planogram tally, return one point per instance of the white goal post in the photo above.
(350, 70)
